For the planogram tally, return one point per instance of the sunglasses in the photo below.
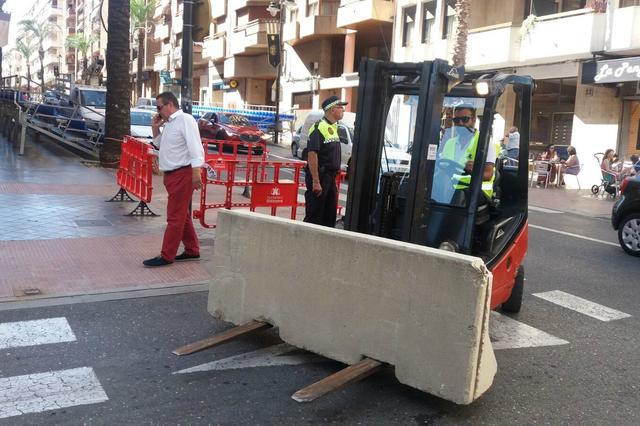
(159, 107)
(464, 119)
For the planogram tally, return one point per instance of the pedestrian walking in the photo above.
(323, 165)
(180, 158)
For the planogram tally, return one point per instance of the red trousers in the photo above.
(179, 224)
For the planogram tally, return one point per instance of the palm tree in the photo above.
(81, 42)
(26, 47)
(41, 30)
(117, 119)
(462, 31)
(141, 16)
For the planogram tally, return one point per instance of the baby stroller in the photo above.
(608, 182)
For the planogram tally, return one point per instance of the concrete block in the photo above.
(347, 296)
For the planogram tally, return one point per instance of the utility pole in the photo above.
(187, 57)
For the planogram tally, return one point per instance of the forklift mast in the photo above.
(412, 212)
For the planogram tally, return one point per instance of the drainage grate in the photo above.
(87, 223)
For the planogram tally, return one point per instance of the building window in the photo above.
(428, 20)
(449, 19)
(550, 7)
(312, 7)
(409, 24)
(627, 3)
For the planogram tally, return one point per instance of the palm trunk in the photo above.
(117, 120)
(84, 67)
(28, 77)
(140, 63)
(462, 31)
(41, 56)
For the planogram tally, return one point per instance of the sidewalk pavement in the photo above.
(58, 236)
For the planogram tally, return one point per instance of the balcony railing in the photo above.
(622, 38)
(218, 9)
(354, 14)
(214, 47)
(161, 62)
(291, 31)
(319, 25)
(239, 4)
(251, 37)
(176, 24)
(503, 41)
(573, 34)
(161, 32)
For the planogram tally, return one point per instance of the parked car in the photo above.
(141, 123)
(228, 126)
(625, 216)
(146, 103)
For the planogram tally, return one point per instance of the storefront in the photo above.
(624, 76)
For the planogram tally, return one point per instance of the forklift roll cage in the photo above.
(426, 222)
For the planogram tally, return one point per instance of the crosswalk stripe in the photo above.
(36, 332)
(581, 305)
(507, 333)
(34, 393)
(266, 357)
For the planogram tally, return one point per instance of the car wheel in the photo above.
(629, 234)
(595, 189)
(294, 149)
(514, 302)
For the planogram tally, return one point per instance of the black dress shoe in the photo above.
(156, 261)
(184, 256)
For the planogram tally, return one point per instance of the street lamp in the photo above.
(275, 7)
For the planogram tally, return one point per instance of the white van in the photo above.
(92, 102)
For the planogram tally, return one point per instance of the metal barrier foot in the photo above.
(142, 209)
(121, 195)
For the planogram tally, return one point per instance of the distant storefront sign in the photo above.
(611, 71)
(165, 77)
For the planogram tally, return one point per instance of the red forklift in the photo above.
(412, 104)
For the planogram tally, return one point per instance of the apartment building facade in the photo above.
(564, 45)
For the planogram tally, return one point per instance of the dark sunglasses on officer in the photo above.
(464, 119)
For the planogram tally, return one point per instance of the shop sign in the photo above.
(612, 71)
(165, 77)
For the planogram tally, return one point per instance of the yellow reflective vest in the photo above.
(463, 181)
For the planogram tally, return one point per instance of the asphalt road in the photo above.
(112, 361)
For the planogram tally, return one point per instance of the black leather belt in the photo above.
(179, 168)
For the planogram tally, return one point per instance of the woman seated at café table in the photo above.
(608, 173)
(548, 155)
(570, 166)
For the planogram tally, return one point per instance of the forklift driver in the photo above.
(459, 147)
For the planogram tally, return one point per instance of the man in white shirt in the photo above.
(513, 145)
(181, 156)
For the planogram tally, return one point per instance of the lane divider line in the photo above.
(569, 234)
(581, 305)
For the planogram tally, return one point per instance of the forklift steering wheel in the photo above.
(450, 167)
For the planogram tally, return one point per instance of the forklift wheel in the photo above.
(514, 302)
(595, 189)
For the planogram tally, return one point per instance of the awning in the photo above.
(611, 71)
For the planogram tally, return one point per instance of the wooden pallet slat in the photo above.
(223, 337)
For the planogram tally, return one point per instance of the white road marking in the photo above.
(267, 357)
(36, 332)
(507, 333)
(569, 234)
(581, 305)
(34, 393)
(543, 210)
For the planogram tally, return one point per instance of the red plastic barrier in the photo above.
(231, 150)
(135, 174)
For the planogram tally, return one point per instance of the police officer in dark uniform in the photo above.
(323, 165)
